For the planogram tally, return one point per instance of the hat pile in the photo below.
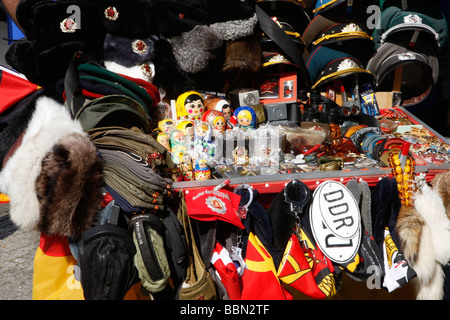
(53, 37)
(408, 40)
(283, 49)
(340, 45)
(133, 160)
(130, 36)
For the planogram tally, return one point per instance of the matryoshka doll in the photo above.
(187, 166)
(203, 142)
(177, 145)
(166, 126)
(221, 105)
(216, 120)
(246, 117)
(202, 171)
(190, 106)
(188, 128)
(163, 139)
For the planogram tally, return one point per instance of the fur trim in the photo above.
(235, 29)
(50, 121)
(430, 206)
(409, 227)
(69, 187)
(194, 49)
(441, 183)
(120, 50)
(134, 71)
(433, 248)
(429, 272)
(243, 54)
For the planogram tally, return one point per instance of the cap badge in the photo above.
(412, 18)
(147, 69)
(352, 27)
(139, 47)
(68, 25)
(347, 64)
(406, 56)
(111, 13)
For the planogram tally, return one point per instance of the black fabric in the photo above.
(257, 222)
(139, 224)
(176, 246)
(286, 44)
(385, 206)
(282, 221)
(174, 17)
(106, 261)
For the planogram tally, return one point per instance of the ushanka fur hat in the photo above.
(54, 179)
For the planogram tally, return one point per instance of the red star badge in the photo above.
(267, 87)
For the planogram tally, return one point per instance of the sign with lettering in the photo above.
(335, 221)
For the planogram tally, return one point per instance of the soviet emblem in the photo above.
(111, 13)
(68, 25)
(139, 47)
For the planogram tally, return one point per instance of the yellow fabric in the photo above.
(53, 279)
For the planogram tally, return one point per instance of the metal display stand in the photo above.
(275, 183)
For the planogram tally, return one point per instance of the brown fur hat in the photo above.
(69, 187)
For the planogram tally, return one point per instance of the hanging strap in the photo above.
(274, 32)
(140, 224)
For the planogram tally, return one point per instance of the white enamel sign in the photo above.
(335, 221)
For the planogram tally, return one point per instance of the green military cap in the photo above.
(411, 27)
(325, 65)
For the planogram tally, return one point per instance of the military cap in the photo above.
(347, 37)
(325, 5)
(339, 14)
(411, 27)
(325, 65)
(420, 70)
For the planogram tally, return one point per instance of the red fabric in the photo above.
(54, 245)
(209, 205)
(13, 89)
(259, 281)
(151, 89)
(297, 272)
(227, 271)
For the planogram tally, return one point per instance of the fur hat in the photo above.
(51, 138)
(194, 50)
(133, 18)
(53, 37)
(69, 187)
(128, 51)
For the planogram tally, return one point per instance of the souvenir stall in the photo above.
(228, 150)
